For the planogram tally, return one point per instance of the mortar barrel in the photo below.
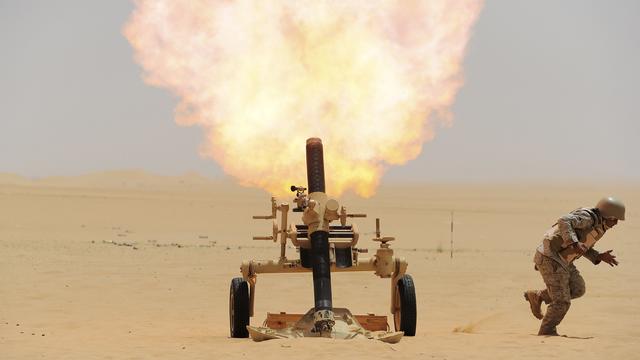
(319, 239)
(315, 165)
(321, 267)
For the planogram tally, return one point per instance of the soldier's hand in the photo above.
(609, 258)
(580, 248)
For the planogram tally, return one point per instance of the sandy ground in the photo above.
(68, 292)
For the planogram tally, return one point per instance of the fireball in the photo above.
(373, 79)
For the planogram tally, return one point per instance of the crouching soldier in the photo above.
(570, 238)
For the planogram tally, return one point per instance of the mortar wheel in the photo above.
(239, 308)
(405, 316)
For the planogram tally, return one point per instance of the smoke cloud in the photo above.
(373, 79)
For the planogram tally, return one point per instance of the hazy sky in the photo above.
(551, 93)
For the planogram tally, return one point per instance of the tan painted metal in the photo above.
(342, 244)
(343, 216)
(318, 211)
(283, 320)
(284, 209)
(254, 267)
(331, 211)
(383, 264)
(400, 269)
(292, 234)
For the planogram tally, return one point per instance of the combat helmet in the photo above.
(611, 207)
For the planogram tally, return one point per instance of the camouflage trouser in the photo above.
(562, 286)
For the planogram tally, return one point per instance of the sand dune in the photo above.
(130, 265)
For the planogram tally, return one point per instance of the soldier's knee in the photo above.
(578, 291)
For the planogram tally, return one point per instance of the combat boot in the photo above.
(544, 331)
(535, 302)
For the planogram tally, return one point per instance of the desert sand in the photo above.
(128, 265)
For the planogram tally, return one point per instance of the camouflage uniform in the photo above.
(554, 259)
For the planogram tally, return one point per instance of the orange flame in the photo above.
(263, 76)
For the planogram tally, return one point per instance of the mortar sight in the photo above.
(300, 199)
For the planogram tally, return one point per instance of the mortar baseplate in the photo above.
(347, 326)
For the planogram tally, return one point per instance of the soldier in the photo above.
(570, 238)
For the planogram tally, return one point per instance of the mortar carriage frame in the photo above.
(342, 255)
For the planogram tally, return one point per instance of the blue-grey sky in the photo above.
(550, 94)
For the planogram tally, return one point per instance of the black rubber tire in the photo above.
(239, 308)
(405, 318)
